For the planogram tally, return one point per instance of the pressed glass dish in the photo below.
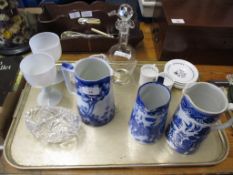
(52, 124)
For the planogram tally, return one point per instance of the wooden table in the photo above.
(146, 51)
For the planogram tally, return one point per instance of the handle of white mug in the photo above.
(68, 74)
(227, 124)
(160, 80)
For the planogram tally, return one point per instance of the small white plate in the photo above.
(181, 71)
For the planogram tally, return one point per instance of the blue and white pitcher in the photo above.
(93, 89)
(201, 106)
(149, 115)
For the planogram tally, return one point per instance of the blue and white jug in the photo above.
(201, 106)
(149, 115)
(93, 88)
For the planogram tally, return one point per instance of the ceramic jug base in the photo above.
(98, 122)
(180, 150)
(145, 141)
(139, 138)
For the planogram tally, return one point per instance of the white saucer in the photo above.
(181, 71)
(179, 86)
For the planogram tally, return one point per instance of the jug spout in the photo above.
(187, 88)
(110, 74)
(109, 67)
(104, 58)
(192, 92)
(205, 97)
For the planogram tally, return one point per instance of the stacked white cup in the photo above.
(45, 47)
(48, 43)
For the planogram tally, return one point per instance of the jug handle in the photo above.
(160, 80)
(102, 56)
(68, 74)
(226, 124)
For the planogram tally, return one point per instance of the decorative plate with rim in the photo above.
(181, 71)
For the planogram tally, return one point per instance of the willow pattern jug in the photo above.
(92, 85)
(201, 106)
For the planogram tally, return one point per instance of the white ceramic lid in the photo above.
(181, 71)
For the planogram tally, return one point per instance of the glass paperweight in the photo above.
(122, 56)
(52, 124)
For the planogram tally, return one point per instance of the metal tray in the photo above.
(107, 146)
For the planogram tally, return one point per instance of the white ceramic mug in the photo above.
(148, 73)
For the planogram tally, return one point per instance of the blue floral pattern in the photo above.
(147, 126)
(198, 116)
(96, 120)
(188, 128)
(87, 102)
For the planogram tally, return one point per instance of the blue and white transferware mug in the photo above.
(93, 89)
(200, 107)
(149, 114)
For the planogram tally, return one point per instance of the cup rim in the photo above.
(203, 110)
(149, 65)
(32, 39)
(30, 57)
(167, 89)
(93, 58)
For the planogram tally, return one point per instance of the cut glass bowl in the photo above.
(52, 124)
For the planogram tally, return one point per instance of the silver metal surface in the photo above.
(107, 146)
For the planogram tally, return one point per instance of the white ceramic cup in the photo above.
(148, 73)
(39, 69)
(46, 42)
(168, 81)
